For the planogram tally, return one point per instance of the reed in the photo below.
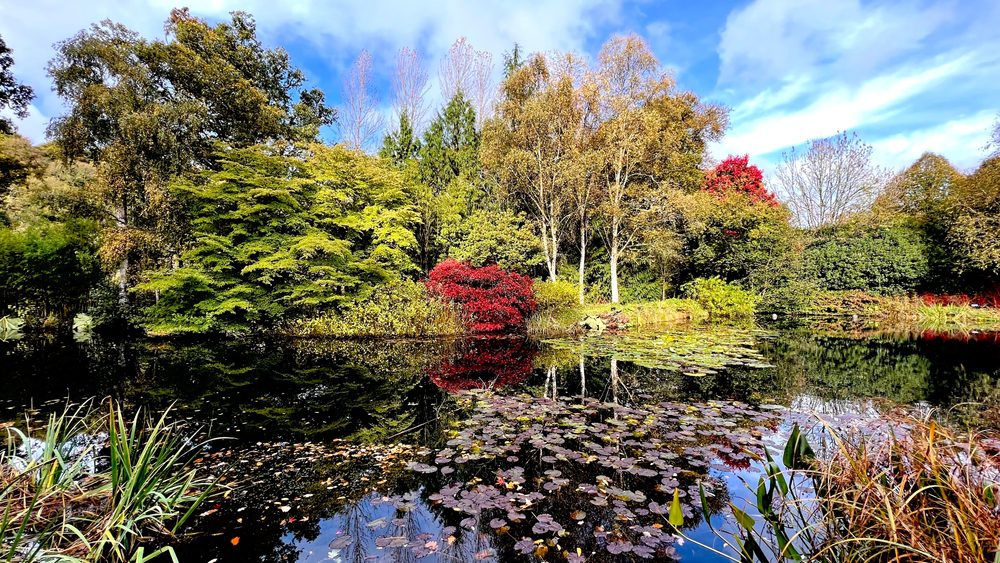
(95, 485)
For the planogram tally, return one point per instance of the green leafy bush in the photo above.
(497, 237)
(721, 299)
(556, 295)
(884, 260)
(402, 308)
(47, 270)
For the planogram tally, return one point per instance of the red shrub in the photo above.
(736, 174)
(492, 300)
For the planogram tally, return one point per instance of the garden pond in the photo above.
(500, 449)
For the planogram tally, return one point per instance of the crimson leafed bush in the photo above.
(491, 299)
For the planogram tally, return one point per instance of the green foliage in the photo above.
(278, 237)
(402, 144)
(401, 308)
(497, 237)
(61, 507)
(556, 295)
(18, 161)
(448, 172)
(974, 231)
(885, 260)
(147, 110)
(739, 240)
(14, 96)
(721, 299)
(47, 270)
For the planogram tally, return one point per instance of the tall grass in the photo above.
(917, 493)
(98, 486)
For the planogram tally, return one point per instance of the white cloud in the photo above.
(772, 39)
(962, 141)
(904, 74)
(835, 108)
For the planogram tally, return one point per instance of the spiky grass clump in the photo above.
(98, 486)
(913, 491)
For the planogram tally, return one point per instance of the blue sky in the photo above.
(907, 76)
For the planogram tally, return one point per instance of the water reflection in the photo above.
(296, 397)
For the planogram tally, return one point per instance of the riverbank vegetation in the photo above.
(212, 202)
(94, 485)
(910, 490)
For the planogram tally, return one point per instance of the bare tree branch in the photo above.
(410, 88)
(361, 121)
(470, 72)
(832, 180)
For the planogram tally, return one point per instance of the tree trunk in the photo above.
(123, 282)
(614, 259)
(583, 378)
(614, 380)
(583, 258)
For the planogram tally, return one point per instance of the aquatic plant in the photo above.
(910, 490)
(98, 486)
(574, 480)
(695, 353)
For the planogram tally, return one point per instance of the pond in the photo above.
(498, 449)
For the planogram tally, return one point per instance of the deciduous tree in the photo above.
(147, 110)
(410, 87)
(360, 120)
(833, 179)
(14, 96)
(529, 144)
(651, 138)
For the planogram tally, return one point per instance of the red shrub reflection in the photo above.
(485, 363)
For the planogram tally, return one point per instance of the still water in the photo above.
(321, 435)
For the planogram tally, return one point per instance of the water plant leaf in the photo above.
(743, 518)
(676, 517)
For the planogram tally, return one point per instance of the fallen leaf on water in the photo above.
(235, 541)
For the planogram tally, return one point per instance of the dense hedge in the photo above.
(886, 260)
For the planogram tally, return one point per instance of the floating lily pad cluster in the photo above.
(691, 353)
(582, 481)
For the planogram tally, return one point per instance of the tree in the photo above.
(832, 180)
(401, 145)
(360, 119)
(448, 169)
(735, 174)
(276, 238)
(738, 239)
(497, 237)
(651, 138)
(145, 111)
(527, 146)
(469, 72)
(19, 160)
(410, 88)
(14, 96)
(921, 189)
(974, 229)
(920, 196)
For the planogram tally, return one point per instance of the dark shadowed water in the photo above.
(321, 431)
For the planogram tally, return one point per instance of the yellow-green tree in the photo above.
(529, 146)
(650, 137)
